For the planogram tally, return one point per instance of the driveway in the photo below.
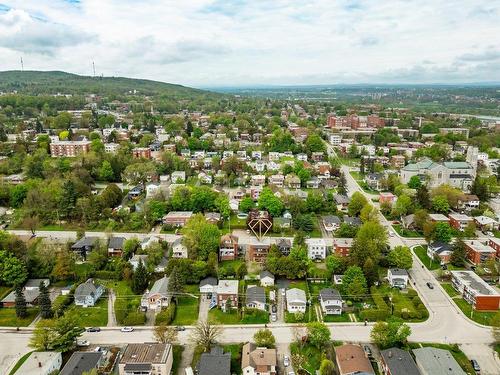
(204, 308)
(111, 309)
(282, 350)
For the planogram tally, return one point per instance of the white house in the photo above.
(208, 285)
(296, 300)
(178, 177)
(158, 297)
(266, 278)
(316, 248)
(152, 189)
(41, 363)
(148, 241)
(330, 301)
(134, 261)
(398, 278)
(256, 298)
(179, 250)
(87, 293)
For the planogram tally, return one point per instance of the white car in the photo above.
(82, 343)
(273, 317)
(127, 329)
(286, 361)
(391, 233)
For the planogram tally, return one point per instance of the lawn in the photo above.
(309, 316)
(235, 350)
(8, 317)
(96, 316)
(178, 349)
(459, 356)
(336, 318)
(406, 232)
(126, 301)
(450, 290)
(421, 253)
(83, 270)
(186, 312)
(312, 354)
(217, 316)
(404, 305)
(4, 290)
(254, 316)
(20, 363)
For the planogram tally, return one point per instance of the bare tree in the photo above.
(205, 334)
(165, 334)
(299, 332)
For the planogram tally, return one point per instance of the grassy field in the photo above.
(482, 317)
(8, 317)
(406, 232)
(459, 356)
(336, 318)
(311, 353)
(186, 312)
(309, 316)
(421, 253)
(20, 363)
(254, 316)
(217, 316)
(96, 316)
(83, 270)
(235, 350)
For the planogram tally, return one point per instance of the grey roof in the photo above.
(256, 294)
(437, 361)
(283, 242)
(265, 273)
(341, 199)
(374, 176)
(209, 281)
(398, 272)
(440, 247)
(30, 295)
(215, 363)
(352, 220)
(160, 286)
(399, 362)
(80, 362)
(116, 242)
(331, 219)
(137, 367)
(329, 294)
(35, 283)
(84, 242)
(87, 288)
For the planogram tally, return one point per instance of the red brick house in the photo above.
(495, 244)
(459, 221)
(228, 247)
(477, 252)
(342, 246)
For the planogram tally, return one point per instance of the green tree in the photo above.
(106, 172)
(400, 257)
(403, 205)
(354, 282)
(389, 334)
(414, 182)
(200, 237)
(423, 197)
(20, 303)
(358, 201)
(442, 232)
(342, 184)
(314, 143)
(139, 173)
(64, 266)
(315, 202)
(318, 334)
(44, 303)
(440, 204)
(327, 367)
(370, 270)
(368, 213)
(470, 230)
(246, 204)
(140, 278)
(268, 201)
(264, 338)
(370, 241)
(12, 270)
(304, 222)
(175, 285)
(459, 253)
(335, 264)
(67, 203)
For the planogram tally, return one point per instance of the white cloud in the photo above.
(218, 42)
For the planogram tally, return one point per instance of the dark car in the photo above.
(430, 285)
(180, 328)
(367, 350)
(93, 329)
(475, 365)
(274, 308)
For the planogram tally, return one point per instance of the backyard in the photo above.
(406, 232)
(8, 317)
(126, 300)
(96, 316)
(312, 355)
(186, 312)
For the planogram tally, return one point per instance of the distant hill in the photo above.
(53, 82)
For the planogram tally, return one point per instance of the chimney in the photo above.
(261, 354)
(39, 364)
(390, 354)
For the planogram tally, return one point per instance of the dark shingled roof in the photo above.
(215, 363)
(81, 362)
(116, 242)
(400, 362)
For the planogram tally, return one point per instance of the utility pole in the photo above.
(22, 64)
(93, 68)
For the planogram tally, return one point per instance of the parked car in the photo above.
(274, 317)
(274, 308)
(475, 365)
(242, 215)
(286, 361)
(93, 329)
(180, 328)
(367, 350)
(82, 343)
(429, 285)
(283, 292)
(127, 329)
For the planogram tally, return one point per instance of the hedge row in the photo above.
(378, 299)
(166, 316)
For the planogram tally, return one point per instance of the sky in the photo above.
(210, 43)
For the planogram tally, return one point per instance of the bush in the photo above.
(61, 303)
(405, 315)
(166, 316)
(374, 315)
(416, 301)
(135, 318)
(378, 299)
(412, 293)
(106, 275)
